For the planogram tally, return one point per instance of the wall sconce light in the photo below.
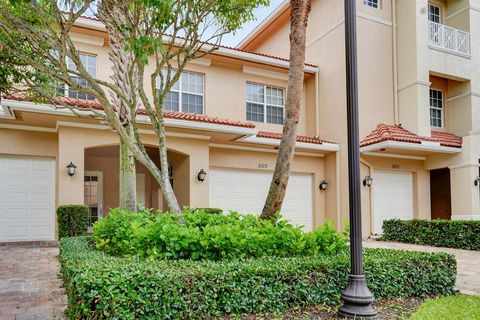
(71, 169)
(201, 175)
(323, 185)
(367, 182)
(477, 181)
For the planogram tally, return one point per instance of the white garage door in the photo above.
(245, 191)
(27, 199)
(393, 197)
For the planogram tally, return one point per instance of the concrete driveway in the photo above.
(468, 262)
(29, 287)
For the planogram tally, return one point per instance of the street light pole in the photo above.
(357, 298)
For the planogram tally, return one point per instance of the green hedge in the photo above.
(72, 220)
(196, 235)
(460, 234)
(100, 286)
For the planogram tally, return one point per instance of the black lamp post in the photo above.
(357, 298)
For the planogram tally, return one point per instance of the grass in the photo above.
(459, 307)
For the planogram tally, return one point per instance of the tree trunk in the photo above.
(128, 179)
(298, 25)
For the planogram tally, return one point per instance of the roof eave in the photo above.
(426, 147)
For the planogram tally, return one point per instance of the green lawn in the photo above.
(459, 307)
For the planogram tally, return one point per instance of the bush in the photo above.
(101, 286)
(72, 220)
(206, 236)
(210, 210)
(440, 233)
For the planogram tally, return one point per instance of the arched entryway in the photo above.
(101, 180)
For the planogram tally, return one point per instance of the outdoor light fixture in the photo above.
(201, 175)
(323, 185)
(477, 181)
(367, 182)
(71, 169)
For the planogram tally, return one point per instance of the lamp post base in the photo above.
(357, 300)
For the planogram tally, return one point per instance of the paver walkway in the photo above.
(29, 287)
(468, 262)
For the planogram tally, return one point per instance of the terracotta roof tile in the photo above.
(95, 105)
(384, 132)
(274, 135)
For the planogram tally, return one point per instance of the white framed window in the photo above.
(436, 108)
(372, 3)
(265, 103)
(89, 62)
(186, 94)
(434, 13)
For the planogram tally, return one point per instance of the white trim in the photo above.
(6, 113)
(393, 155)
(260, 27)
(466, 217)
(436, 147)
(463, 95)
(464, 165)
(50, 109)
(264, 73)
(100, 190)
(442, 109)
(374, 19)
(303, 145)
(455, 53)
(234, 147)
(142, 131)
(86, 39)
(416, 82)
(27, 128)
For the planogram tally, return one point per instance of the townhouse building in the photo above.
(419, 100)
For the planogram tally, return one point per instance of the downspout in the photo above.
(396, 111)
(370, 196)
(338, 189)
(317, 106)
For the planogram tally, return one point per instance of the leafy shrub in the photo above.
(101, 286)
(210, 210)
(440, 233)
(209, 236)
(72, 220)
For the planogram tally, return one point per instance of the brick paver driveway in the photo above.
(468, 262)
(29, 287)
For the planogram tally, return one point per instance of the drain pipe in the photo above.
(396, 112)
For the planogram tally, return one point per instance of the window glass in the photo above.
(434, 13)
(264, 103)
(186, 94)
(89, 62)
(372, 3)
(436, 108)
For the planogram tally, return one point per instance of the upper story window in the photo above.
(89, 62)
(264, 103)
(372, 3)
(436, 108)
(434, 13)
(186, 94)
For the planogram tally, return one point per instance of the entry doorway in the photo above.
(440, 194)
(93, 196)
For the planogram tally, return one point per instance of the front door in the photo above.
(93, 196)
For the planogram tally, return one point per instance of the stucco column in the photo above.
(199, 159)
(70, 149)
(465, 195)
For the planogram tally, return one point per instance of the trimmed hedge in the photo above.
(460, 234)
(100, 286)
(197, 235)
(72, 220)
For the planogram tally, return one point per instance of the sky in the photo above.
(260, 13)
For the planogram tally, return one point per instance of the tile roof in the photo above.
(306, 139)
(384, 132)
(95, 105)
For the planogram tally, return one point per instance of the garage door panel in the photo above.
(27, 203)
(245, 191)
(393, 197)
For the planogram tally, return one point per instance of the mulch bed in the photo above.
(395, 309)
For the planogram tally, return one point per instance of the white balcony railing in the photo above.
(450, 39)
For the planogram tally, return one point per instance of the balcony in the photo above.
(449, 39)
